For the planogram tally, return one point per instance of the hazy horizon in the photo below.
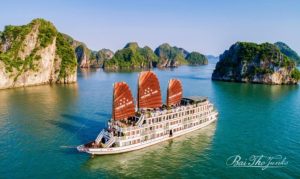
(207, 27)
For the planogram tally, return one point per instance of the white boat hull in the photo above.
(117, 150)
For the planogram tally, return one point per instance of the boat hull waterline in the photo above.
(152, 121)
(118, 150)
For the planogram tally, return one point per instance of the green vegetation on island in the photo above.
(131, 57)
(195, 58)
(173, 56)
(134, 57)
(170, 56)
(290, 53)
(257, 63)
(47, 32)
(23, 48)
(68, 60)
(11, 43)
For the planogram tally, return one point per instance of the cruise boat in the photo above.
(150, 122)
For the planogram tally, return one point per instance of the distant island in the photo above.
(212, 57)
(37, 53)
(132, 57)
(257, 63)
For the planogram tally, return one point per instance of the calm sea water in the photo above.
(40, 125)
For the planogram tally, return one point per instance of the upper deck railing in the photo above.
(123, 127)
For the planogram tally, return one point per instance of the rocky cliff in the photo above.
(34, 54)
(256, 63)
(101, 57)
(170, 56)
(87, 58)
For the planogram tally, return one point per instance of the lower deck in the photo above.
(94, 149)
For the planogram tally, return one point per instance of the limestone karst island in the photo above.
(258, 63)
(37, 53)
(159, 89)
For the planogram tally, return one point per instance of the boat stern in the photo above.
(82, 148)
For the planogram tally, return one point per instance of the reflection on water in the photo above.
(272, 92)
(26, 111)
(253, 119)
(163, 158)
(86, 72)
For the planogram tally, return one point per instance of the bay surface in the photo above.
(40, 125)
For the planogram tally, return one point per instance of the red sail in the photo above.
(123, 103)
(174, 93)
(149, 95)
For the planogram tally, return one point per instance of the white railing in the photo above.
(109, 142)
(99, 137)
(141, 119)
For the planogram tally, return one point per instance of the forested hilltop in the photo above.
(37, 53)
(290, 53)
(134, 57)
(256, 63)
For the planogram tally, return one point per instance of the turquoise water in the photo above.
(40, 125)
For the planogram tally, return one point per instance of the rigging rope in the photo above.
(70, 146)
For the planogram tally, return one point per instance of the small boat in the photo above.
(151, 122)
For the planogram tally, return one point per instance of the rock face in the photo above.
(35, 54)
(101, 57)
(170, 56)
(256, 63)
(84, 56)
(87, 58)
(286, 50)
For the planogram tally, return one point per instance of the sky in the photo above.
(206, 26)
